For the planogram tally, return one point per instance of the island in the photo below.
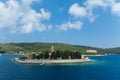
(53, 57)
(47, 61)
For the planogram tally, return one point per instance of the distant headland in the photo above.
(23, 48)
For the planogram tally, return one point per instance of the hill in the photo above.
(39, 47)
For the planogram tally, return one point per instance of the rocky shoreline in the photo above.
(49, 61)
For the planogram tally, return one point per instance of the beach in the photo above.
(50, 61)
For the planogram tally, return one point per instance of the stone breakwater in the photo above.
(49, 61)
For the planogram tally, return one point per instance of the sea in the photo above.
(101, 68)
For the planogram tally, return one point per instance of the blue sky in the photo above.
(79, 22)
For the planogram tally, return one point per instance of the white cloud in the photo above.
(71, 25)
(86, 11)
(77, 11)
(28, 2)
(116, 9)
(98, 3)
(32, 21)
(93, 4)
(27, 28)
(44, 14)
(50, 27)
(20, 17)
(114, 5)
(8, 13)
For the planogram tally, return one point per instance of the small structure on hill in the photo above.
(52, 49)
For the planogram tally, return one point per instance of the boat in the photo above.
(42, 64)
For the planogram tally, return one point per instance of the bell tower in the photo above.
(52, 49)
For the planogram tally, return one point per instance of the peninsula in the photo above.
(53, 57)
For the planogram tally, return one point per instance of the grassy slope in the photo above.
(38, 47)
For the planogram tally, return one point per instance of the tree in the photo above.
(58, 54)
(53, 55)
(40, 56)
(77, 55)
(46, 55)
(65, 55)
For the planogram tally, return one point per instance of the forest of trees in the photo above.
(58, 55)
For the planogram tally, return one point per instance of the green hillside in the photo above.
(40, 47)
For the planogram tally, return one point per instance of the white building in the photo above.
(91, 51)
(52, 49)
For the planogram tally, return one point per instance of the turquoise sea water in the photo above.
(103, 68)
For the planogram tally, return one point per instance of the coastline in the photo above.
(96, 55)
(48, 61)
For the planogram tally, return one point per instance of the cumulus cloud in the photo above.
(77, 11)
(98, 3)
(20, 17)
(50, 27)
(93, 4)
(116, 9)
(71, 25)
(86, 11)
(90, 5)
(28, 2)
